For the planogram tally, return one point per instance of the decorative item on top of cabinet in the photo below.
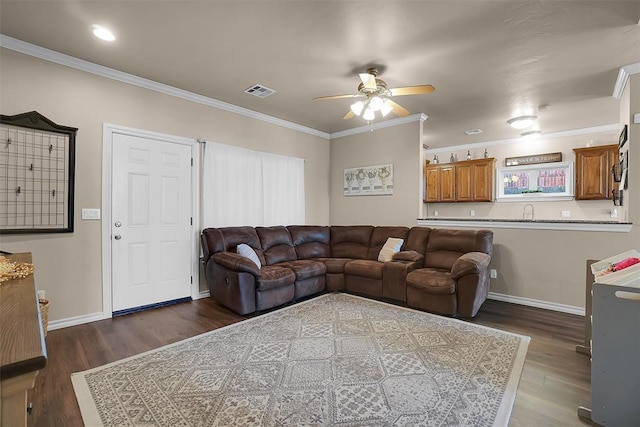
(594, 172)
(462, 181)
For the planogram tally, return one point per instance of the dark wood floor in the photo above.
(554, 382)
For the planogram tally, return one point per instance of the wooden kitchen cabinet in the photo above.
(464, 181)
(594, 178)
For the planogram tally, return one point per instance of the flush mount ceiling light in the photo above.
(522, 122)
(103, 33)
(532, 134)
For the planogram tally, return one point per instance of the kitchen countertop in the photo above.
(536, 224)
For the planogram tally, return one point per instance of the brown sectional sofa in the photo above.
(438, 270)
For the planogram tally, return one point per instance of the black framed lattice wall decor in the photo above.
(37, 163)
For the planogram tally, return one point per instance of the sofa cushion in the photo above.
(432, 281)
(233, 236)
(247, 252)
(446, 246)
(379, 237)
(305, 269)
(276, 244)
(310, 241)
(364, 268)
(272, 277)
(417, 239)
(335, 265)
(350, 241)
(390, 248)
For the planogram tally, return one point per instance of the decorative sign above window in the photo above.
(37, 159)
(534, 159)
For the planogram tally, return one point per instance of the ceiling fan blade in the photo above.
(412, 90)
(321, 98)
(368, 80)
(398, 110)
(348, 115)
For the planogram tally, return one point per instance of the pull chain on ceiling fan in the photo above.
(378, 97)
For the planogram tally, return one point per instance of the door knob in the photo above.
(117, 237)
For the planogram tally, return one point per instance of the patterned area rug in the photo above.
(336, 360)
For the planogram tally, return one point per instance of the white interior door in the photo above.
(150, 221)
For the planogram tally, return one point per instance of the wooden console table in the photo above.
(22, 349)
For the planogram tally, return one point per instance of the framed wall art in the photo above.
(368, 180)
(37, 159)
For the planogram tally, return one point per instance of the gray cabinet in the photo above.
(615, 352)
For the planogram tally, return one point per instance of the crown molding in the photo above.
(421, 117)
(560, 134)
(110, 73)
(623, 77)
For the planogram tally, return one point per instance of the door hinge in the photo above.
(192, 161)
(192, 280)
(191, 220)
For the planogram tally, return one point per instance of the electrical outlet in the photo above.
(41, 295)
(566, 214)
(472, 213)
(614, 213)
(493, 273)
(435, 213)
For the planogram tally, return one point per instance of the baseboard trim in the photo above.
(76, 320)
(202, 294)
(570, 309)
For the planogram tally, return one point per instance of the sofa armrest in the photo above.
(470, 263)
(235, 262)
(412, 256)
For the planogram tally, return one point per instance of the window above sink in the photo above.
(548, 182)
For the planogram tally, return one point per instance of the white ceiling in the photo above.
(488, 60)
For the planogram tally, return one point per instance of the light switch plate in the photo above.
(566, 214)
(636, 118)
(90, 213)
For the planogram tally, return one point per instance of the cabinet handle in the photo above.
(632, 296)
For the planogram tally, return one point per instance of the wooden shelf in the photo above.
(22, 349)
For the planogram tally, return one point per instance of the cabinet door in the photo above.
(432, 184)
(482, 178)
(591, 176)
(447, 184)
(464, 182)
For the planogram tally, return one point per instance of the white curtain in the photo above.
(245, 187)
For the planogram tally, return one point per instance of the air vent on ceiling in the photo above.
(259, 91)
(473, 131)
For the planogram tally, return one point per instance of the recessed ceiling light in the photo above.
(103, 33)
(532, 134)
(522, 121)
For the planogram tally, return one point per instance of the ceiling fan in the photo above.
(378, 97)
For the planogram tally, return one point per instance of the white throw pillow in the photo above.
(248, 252)
(391, 247)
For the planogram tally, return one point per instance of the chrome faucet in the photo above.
(524, 211)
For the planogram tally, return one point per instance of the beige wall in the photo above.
(68, 266)
(400, 145)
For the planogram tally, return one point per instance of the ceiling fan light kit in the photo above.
(378, 96)
(522, 122)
